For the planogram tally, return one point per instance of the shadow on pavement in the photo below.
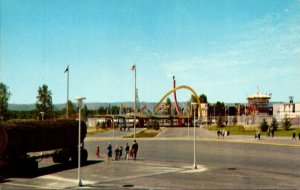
(8, 172)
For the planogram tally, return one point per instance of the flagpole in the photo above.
(134, 99)
(67, 93)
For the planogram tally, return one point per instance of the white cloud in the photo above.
(267, 50)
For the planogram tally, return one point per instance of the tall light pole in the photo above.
(194, 104)
(79, 103)
(133, 68)
(188, 125)
(67, 108)
(113, 125)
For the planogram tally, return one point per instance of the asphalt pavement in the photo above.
(166, 162)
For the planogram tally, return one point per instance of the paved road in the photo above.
(165, 162)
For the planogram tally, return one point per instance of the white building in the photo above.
(290, 110)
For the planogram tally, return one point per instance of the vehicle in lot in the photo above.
(20, 141)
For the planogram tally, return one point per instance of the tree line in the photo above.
(44, 104)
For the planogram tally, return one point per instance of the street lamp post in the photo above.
(79, 102)
(113, 124)
(194, 104)
(188, 125)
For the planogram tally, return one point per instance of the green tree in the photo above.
(264, 126)
(220, 122)
(44, 100)
(193, 100)
(4, 97)
(274, 124)
(169, 104)
(203, 98)
(71, 108)
(219, 108)
(102, 110)
(85, 113)
(286, 124)
(115, 110)
(234, 120)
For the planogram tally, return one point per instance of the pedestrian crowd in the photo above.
(223, 133)
(123, 129)
(130, 152)
(294, 136)
(257, 135)
(270, 133)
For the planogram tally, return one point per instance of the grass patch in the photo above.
(147, 133)
(234, 129)
(241, 130)
(282, 133)
(93, 130)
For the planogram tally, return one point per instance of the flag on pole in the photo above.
(132, 67)
(67, 69)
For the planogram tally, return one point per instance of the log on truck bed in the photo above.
(35, 136)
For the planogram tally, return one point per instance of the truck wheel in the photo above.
(84, 156)
(27, 166)
(74, 156)
(60, 156)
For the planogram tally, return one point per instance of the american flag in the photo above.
(67, 69)
(132, 67)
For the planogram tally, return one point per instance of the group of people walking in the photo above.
(223, 133)
(271, 132)
(130, 152)
(294, 136)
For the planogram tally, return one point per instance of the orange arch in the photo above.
(175, 89)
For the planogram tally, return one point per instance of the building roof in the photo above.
(259, 95)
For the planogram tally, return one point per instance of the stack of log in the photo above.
(36, 136)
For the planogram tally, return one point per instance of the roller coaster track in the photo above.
(175, 89)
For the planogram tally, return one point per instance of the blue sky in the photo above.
(222, 48)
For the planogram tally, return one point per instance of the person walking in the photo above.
(98, 152)
(299, 136)
(127, 151)
(294, 135)
(109, 152)
(268, 132)
(120, 153)
(117, 152)
(258, 134)
(135, 148)
(273, 132)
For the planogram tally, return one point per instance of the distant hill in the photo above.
(23, 107)
(91, 106)
(96, 105)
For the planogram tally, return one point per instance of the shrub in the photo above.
(220, 122)
(103, 126)
(274, 124)
(286, 124)
(234, 120)
(153, 125)
(264, 125)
